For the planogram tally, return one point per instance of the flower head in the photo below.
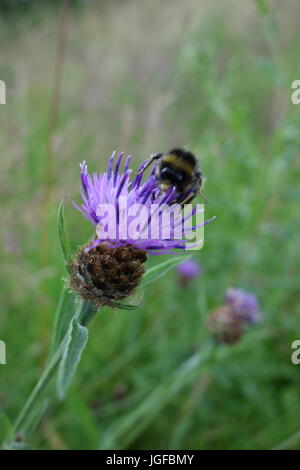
(227, 322)
(110, 267)
(188, 270)
(244, 304)
(113, 188)
(226, 327)
(106, 275)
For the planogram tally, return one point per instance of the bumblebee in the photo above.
(178, 168)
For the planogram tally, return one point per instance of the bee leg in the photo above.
(191, 196)
(152, 159)
(188, 199)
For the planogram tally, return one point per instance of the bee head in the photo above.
(169, 177)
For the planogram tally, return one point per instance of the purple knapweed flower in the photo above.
(110, 267)
(227, 322)
(188, 270)
(114, 187)
(244, 304)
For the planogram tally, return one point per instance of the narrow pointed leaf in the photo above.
(77, 339)
(62, 235)
(159, 270)
(132, 302)
(66, 309)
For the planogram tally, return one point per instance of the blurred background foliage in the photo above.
(143, 76)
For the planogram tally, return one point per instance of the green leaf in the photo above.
(160, 269)
(123, 306)
(63, 317)
(132, 302)
(62, 236)
(6, 429)
(35, 416)
(76, 342)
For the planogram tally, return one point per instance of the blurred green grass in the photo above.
(217, 80)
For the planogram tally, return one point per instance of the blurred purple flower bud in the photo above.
(188, 270)
(243, 304)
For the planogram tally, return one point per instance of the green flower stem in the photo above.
(27, 411)
(85, 314)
